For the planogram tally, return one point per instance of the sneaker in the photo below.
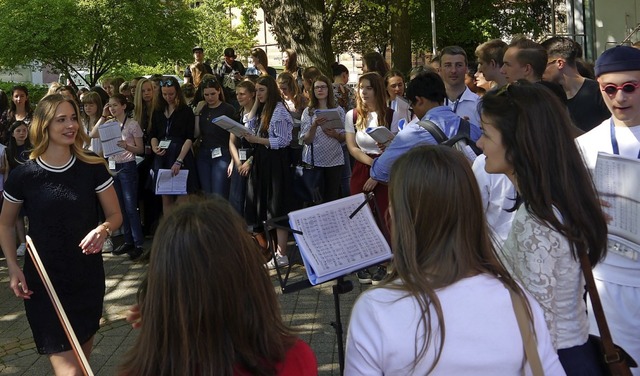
(107, 246)
(122, 249)
(379, 275)
(135, 254)
(282, 261)
(21, 249)
(364, 277)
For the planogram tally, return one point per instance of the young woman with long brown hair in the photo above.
(446, 308)
(528, 136)
(269, 189)
(207, 306)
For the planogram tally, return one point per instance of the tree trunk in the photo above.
(400, 36)
(305, 26)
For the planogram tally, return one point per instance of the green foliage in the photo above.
(215, 30)
(131, 70)
(36, 92)
(362, 26)
(94, 34)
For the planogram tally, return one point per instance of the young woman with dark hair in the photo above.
(214, 155)
(447, 308)
(374, 62)
(189, 326)
(528, 136)
(394, 83)
(269, 189)
(63, 222)
(17, 153)
(345, 95)
(172, 135)
(261, 63)
(322, 147)
(290, 63)
(19, 109)
(126, 173)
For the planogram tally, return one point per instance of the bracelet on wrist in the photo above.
(106, 229)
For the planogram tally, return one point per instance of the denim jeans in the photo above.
(213, 172)
(126, 184)
(238, 191)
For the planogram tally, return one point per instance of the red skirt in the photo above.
(359, 175)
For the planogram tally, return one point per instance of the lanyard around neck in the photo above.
(614, 140)
(455, 104)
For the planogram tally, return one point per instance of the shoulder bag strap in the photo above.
(435, 131)
(530, 346)
(610, 353)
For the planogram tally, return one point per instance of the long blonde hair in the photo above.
(140, 106)
(439, 234)
(39, 133)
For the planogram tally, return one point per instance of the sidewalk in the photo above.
(310, 311)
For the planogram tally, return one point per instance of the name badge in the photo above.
(242, 154)
(216, 152)
(164, 144)
(112, 165)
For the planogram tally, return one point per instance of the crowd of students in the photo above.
(473, 236)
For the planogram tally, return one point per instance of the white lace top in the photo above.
(540, 258)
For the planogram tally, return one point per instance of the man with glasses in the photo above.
(618, 275)
(586, 106)
(427, 94)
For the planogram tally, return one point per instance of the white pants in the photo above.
(621, 306)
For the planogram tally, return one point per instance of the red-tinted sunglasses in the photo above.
(627, 87)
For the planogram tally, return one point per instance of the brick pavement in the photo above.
(310, 311)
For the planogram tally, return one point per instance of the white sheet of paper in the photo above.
(230, 125)
(332, 244)
(166, 184)
(110, 133)
(332, 116)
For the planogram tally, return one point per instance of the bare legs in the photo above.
(66, 364)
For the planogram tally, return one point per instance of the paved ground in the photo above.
(310, 311)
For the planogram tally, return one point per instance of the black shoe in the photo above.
(135, 253)
(122, 249)
(364, 277)
(379, 275)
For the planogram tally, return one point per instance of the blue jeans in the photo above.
(238, 191)
(126, 184)
(213, 172)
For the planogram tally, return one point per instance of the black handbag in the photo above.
(308, 181)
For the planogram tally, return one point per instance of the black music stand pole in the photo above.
(341, 287)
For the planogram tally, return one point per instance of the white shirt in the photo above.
(365, 142)
(614, 268)
(466, 106)
(482, 335)
(498, 195)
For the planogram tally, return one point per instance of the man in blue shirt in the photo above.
(427, 93)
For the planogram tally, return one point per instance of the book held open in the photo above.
(333, 243)
(332, 116)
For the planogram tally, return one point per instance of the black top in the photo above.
(587, 107)
(212, 135)
(179, 126)
(63, 207)
(223, 68)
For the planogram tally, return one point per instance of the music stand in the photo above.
(341, 286)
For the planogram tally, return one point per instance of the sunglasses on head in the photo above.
(627, 87)
(166, 83)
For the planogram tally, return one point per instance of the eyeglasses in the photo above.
(166, 83)
(323, 87)
(627, 87)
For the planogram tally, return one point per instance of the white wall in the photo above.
(614, 20)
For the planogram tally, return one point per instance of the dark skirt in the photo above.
(168, 159)
(269, 189)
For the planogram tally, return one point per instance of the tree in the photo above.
(305, 26)
(216, 31)
(96, 35)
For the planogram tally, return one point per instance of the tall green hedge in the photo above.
(36, 92)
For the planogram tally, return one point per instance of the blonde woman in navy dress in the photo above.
(61, 188)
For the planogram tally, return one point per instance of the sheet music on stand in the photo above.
(334, 243)
(617, 180)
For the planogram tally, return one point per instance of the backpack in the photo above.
(461, 140)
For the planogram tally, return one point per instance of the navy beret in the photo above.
(618, 59)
